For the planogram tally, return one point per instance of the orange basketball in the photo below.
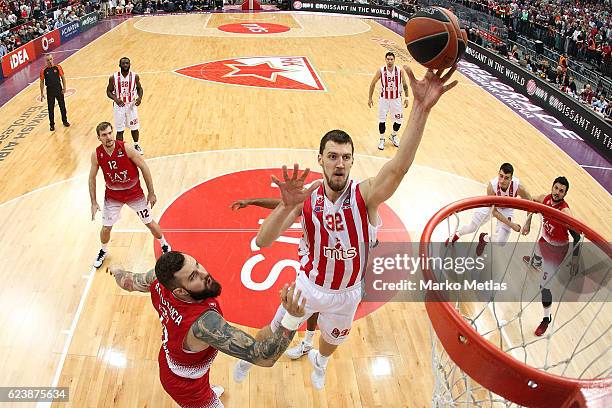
(433, 38)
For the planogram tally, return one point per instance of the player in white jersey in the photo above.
(340, 220)
(126, 92)
(392, 80)
(505, 185)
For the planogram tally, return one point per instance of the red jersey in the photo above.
(120, 174)
(552, 231)
(337, 238)
(183, 374)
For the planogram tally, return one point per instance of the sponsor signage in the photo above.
(17, 59)
(343, 8)
(69, 30)
(88, 21)
(583, 122)
(47, 42)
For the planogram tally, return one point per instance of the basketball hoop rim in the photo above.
(513, 376)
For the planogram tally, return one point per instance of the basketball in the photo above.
(434, 39)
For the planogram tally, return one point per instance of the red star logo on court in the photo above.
(263, 71)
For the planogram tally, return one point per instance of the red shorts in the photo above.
(186, 392)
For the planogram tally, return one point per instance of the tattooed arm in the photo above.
(131, 281)
(212, 329)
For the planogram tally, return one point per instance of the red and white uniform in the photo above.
(390, 100)
(183, 373)
(554, 243)
(333, 250)
(125, 89)
(122, 185)
(482, 215)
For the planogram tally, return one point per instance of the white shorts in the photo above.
(502, 231)
(336, 310)
(392, 106)
(112, 211)
(126, 116)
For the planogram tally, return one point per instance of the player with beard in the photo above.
(552, 246)
(193, 328)
(340, 222)
(504, 185)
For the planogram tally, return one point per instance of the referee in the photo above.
(53, 76)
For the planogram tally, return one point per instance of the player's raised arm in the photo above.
(211, 328)
(293, 195)
(426, 94)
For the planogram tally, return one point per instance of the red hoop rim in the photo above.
(483, 361)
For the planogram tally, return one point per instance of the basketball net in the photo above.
(485, 352)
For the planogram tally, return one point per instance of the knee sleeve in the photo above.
(546, 297)
(382, 126)
(396, 126)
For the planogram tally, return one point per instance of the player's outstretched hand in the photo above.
(427, 91)
(290, 299)
(238, 204)
(94, 209)
(292, 188)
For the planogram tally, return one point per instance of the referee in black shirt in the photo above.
(53, 76)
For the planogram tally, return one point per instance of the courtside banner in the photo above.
(88, 21)
(17, 59)
(47, 42)
(582, 120)
(342, 8)
(67, 31)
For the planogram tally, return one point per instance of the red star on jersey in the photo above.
(263, 71)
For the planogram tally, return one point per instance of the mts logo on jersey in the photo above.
(339, 253)
(201, 223)
(294, 73)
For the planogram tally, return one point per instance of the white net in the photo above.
(577, 340)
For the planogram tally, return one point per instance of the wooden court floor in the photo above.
(66, 325)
